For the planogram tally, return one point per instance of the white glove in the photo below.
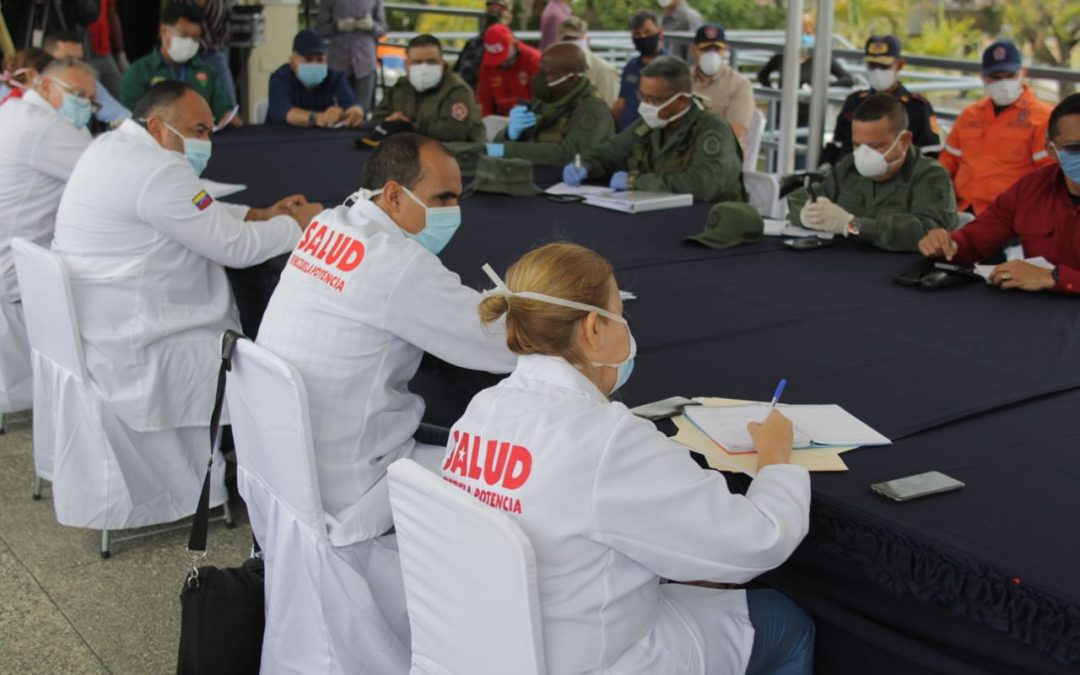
(365, 23)
(825, 216)
(346, 25)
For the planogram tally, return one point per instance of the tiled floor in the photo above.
(63, 609)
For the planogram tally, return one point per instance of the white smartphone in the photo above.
(919, 485)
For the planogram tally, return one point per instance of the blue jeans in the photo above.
(783, 635)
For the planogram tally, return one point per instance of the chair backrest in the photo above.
(262, 108)
(753, 140)
(470, 578)
(493, 124)
(48, 306)
(764, 192)
(269, 411)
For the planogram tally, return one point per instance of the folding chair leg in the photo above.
(36, 493)
(105, 553)
(227, 511)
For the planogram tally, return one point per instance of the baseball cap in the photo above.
(1001, 55)
(497, 42)
(573, 28)
(710, 35)
(883, 49)
(308, 42)
(730, 224)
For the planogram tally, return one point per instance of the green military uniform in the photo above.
(895, 214)
(152, 68)
(700, 155)
(564, 128)
(448, 112)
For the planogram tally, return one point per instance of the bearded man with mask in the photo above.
(178, 59)
(567, 115)
(306, 92)
(730, 94)
(432, 100)
(885, 193)
(648, 39)
(1000, 138)
(676, 146)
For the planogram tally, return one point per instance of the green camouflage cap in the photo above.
(730, 224)
(504, 176)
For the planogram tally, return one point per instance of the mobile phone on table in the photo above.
(663, 409)
(807, 243)
(919, 485)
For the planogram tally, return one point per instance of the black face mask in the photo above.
(647, 46)
(539, 87)
(492, 18)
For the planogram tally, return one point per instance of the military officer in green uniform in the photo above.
(567, 115)
(883, 64)
(675, 145)
(177, 59)
(435, 101)
(885, 193)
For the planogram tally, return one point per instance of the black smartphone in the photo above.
(913, 276)
(807, 243)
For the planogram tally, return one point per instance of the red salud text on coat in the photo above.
(499, 465)
(335, 250)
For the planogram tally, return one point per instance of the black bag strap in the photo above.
(201, 524)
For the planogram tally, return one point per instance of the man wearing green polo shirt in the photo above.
(177, 59)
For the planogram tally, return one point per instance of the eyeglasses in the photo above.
(94, 105)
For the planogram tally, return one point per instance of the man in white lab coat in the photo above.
(363, 297)
(146, 247)
(42, 135)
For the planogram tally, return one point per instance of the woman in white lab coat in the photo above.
(612, 506)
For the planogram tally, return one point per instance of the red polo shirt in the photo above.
(498, 89)
(1039, 209)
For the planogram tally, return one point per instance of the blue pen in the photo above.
(776, 394)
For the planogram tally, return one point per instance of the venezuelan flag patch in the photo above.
(202, 201)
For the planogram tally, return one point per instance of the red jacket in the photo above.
(499, 88)
(1038, 209)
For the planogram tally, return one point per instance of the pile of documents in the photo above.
(632, 201)
(717, 430)
(781, 228)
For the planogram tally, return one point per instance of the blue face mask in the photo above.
(440, 224)
(626, 366)
(196, 151)
(311, 75)
(76, 110)
(1070, 163)
(808, 41)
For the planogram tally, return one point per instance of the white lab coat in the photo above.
(146, 253)
(357, 305)
(611, 507)
(38, 151)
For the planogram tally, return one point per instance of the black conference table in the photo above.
(981, 384)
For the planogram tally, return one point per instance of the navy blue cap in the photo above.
(710, 35)
(308, 42)
(1001, 56)
(883, 49)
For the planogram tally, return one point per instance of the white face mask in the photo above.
(424, 76)
(664, 4)
(624, 367)
(1005, 92)
(650, 114)
(564, 78)
(182, 49)
(871, 163)
(881, 79)
(710, 63)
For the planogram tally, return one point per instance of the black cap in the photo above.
(710, 35)
(882, 49)
(1001, 56)
(308, 42)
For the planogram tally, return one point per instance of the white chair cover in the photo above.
(493, 124)
(16, 381)
(470, 580)
(326, 607)
(105, 476)
(752, 148)
(764, 191)
(261, 109)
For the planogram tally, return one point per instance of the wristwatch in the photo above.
(311, 119)
(853, 228)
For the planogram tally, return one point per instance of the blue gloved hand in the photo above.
(520, 120)
(574, 175)
(496, 149)
(620, 181)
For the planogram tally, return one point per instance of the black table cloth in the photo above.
(976, 382)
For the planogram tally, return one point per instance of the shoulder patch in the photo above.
(712, 145)
(203, 200)
(588, 122)
(201, 76)
(459, 111)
